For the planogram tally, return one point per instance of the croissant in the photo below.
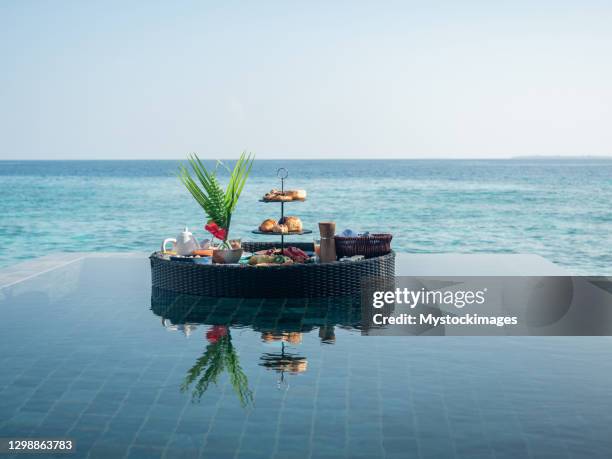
(267, 225)
(280, 229)
(294, 224)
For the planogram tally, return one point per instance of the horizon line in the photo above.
(542, 157)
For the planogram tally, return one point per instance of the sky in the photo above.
(427, 79)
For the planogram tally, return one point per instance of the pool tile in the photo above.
(144, 452)
(258, 443)
(252, 455)
(93, 421)
(106, 451)
(192, 426)
(221, 443)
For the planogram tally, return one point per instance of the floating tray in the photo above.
(308, 280)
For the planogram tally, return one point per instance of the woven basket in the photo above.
(290, 281)
(370, 246)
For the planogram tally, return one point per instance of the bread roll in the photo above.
(296, 195)
(267, 225)
(294, 224)
(280, 229)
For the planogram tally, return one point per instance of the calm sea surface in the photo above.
(559, 209)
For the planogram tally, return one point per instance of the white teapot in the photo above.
(184, 244)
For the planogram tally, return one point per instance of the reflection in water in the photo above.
(291, 337)
(185, 329)
(278, 320)
(219, 356)
(327, 334)
(284, 362)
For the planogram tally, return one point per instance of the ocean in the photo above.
(559, 209)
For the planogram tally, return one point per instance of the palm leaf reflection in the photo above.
(219, 356)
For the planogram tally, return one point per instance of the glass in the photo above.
(317, 247)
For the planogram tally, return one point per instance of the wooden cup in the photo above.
(328, 244)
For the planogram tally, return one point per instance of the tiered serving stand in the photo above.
(298, 280)
(282, 174)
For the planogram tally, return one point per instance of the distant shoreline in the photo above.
(513, 158)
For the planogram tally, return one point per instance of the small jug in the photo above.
(184, 244)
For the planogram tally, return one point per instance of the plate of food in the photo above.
(295, 254)
(275, 195)
(286, 225)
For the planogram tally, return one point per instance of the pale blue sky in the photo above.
(89, 80)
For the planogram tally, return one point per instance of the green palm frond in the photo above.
(218, 358)
(238, 378)
(217, 203)
(238, 178)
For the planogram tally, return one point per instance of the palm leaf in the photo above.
(238, 178)
(218, 204)
(218, 357)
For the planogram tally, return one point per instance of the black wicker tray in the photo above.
(293, 281)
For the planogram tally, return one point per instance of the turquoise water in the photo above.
(559, 209)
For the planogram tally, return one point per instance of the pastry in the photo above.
(277, 195)
(296, 195)
(294, 224)
(267, 225)
(272, 195)
(280, 228)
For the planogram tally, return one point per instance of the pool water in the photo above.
(90, 352)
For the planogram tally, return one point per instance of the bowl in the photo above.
(226, 256)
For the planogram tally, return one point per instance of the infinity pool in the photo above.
(89, 352)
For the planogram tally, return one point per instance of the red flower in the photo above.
(213, 228)
(215, 333)
(221, 234)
